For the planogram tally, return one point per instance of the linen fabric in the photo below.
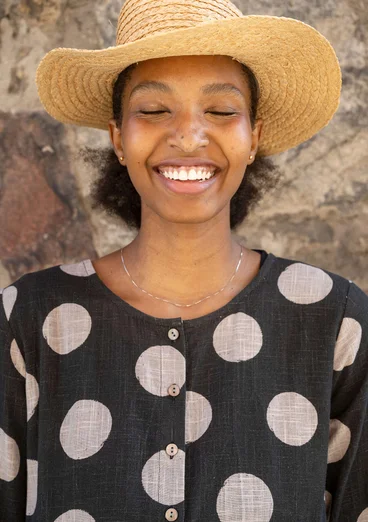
(255, 412)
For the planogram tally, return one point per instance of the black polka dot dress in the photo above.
(256, 412)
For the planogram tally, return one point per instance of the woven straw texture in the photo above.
(296, 67)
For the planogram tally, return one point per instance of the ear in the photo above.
(115, 137)
(256, 136)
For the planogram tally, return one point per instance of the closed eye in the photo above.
(212, 112)
(223, 113)
(151, 112)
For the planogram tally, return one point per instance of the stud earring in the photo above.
(250, 157)
(121, 158)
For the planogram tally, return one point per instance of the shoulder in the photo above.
(59, 281)
(305, 283)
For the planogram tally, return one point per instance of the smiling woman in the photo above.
(186, 377)
(114, 191)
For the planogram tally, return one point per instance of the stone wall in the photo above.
(318, 213)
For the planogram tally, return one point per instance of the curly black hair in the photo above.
(114, 192)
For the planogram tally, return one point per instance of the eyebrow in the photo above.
(211, 88)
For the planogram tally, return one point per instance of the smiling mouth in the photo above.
(215, 172)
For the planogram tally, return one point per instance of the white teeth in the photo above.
(184, 174)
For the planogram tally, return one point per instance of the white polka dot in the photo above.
(10, 457)
(85, 429)
(347, 344)
(292, 418)
(363, 517)
(198, 415)
(158, 367)
(339, 440)
(328, 501)
(9, 297)
(238, 337)
(163, 477)
(32, 389)
(17, 358)
(244, 497)
(304, 284)
(75, 515)
(32, 394)
(32, 480)
(66, 327)
(82, 269)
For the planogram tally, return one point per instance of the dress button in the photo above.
(173, 390)
(171, 514)
(173, 334)
(172, 449)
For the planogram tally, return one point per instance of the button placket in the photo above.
(171, 448)
(173, 334)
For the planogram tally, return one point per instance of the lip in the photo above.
(187, 162)
(186, 187)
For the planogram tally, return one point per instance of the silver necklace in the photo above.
(177, 304)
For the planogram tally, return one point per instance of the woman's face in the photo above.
(186, 126)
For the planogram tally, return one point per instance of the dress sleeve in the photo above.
(13, 425)
(347, 469)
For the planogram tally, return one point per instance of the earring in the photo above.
(121, 158)
(250, 157)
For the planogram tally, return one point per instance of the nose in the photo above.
(189, 134)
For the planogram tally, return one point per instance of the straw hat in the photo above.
(296, 67)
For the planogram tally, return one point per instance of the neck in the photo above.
(182, 262)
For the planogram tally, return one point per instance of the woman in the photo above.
(185, 377)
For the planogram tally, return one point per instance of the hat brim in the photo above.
(296, 67)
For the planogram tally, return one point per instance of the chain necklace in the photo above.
(184, 305)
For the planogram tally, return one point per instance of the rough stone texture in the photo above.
(317, 214)
(42, 219)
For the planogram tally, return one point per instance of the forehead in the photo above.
(204, 63)
(193, 72)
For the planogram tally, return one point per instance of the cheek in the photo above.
(138, 145)
(238, 155)
(136, 138)
(237, 140)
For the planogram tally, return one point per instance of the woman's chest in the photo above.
(206, 436)
(212, 422)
